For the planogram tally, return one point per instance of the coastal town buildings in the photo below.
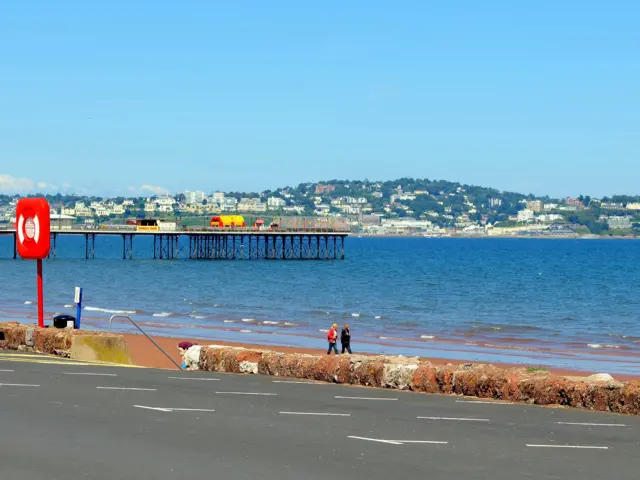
(406, 207)
(192, 197)
(525, 215)
(275, 203)
(619, 222)
(535, 206)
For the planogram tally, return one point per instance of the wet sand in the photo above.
(144, 353)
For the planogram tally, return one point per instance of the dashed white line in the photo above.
(153, 408)
(17, 385)
(91, 374)
(398, 442)
(167, 409)
(247, 393)
(392, 442)
(590, 447)
(364, 398)
(593, 424)
(7, 370)
(128, 388)
(432, 442)
(457, 419)
(191, 410)
(319, 414)
(195, 378)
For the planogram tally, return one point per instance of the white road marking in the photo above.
(153, 408)
(126, 388)
(483, 402)
(91, 374)
(191, 410)
(591, 447)
(311, 413)
(195, 378)
(364, 398)
(433, 442)
(375, 440)
(398, 442)
(593, 424)
(457, 419)
(17, 385)
(166, 409)
(7, 370)
(247, 393)
(303, 383)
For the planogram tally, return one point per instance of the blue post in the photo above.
(78, 299)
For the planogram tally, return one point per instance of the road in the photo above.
(63, 419)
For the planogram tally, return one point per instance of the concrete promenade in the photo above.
(62, 419)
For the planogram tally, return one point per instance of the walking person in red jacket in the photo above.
(332, 336)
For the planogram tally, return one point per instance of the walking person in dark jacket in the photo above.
(345, 339)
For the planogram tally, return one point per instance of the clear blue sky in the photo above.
(249, 95)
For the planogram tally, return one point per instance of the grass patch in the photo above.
(537, 369)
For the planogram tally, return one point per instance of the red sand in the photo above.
(144, 353)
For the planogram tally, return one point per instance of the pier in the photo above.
(214, 244)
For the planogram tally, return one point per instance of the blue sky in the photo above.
(105, 97)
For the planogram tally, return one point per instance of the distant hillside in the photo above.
(441, 202)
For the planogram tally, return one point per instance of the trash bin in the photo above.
(64, 321)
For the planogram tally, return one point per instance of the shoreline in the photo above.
(484, 237)
(617, 356)
(144, 353)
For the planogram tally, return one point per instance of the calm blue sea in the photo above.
(567, 303)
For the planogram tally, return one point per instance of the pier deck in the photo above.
(215, 244)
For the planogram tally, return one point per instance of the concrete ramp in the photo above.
(100, 348)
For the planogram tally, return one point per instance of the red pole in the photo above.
(40, 296)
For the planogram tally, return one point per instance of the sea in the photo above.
(565, 303)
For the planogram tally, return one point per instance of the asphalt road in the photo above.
(68, 420)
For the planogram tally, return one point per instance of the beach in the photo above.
(144, 353)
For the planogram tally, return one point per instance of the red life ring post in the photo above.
(33, 236)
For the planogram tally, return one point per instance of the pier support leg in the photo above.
(342, 255)
(15, 242)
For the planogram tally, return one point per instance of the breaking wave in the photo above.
(107, 310)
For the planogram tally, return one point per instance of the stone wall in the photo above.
(597, 392)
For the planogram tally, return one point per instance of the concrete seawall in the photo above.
(68, 343)
(598, 392)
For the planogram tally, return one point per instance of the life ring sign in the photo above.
(33, 227)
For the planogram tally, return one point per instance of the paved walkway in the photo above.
(63, 419)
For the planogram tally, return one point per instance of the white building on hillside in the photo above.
(275, 203)
(193, 197)
(525, 215)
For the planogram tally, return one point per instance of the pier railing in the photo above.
(215, 243)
